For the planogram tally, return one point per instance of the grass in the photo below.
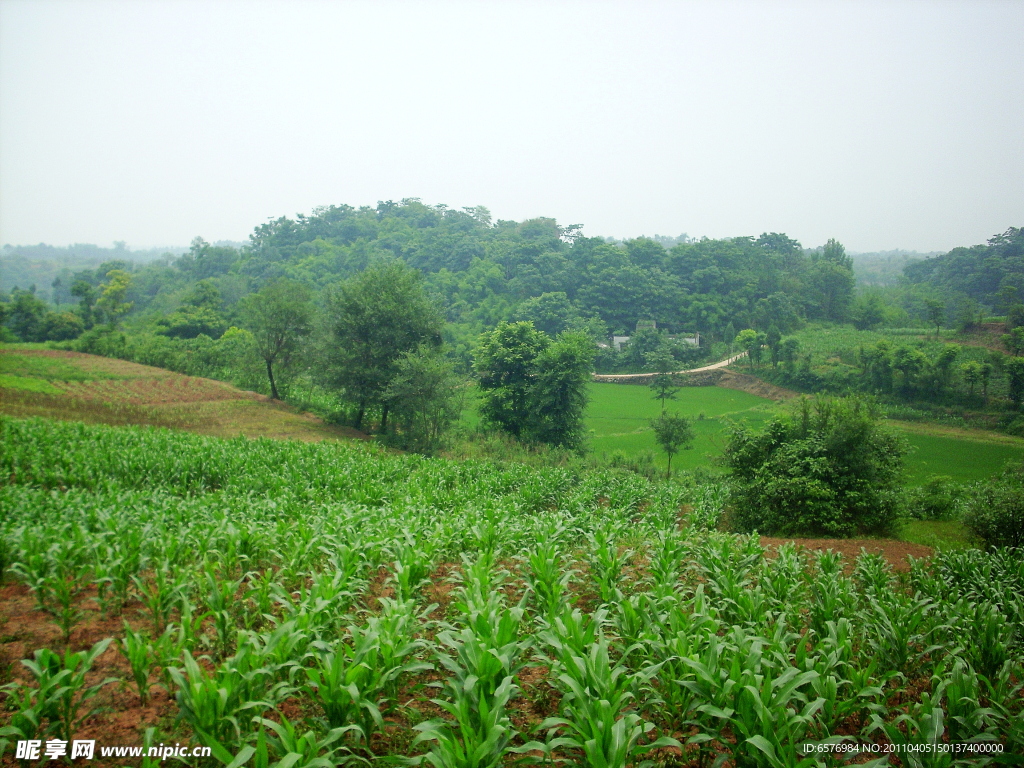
(619, 415)
(944, 535)
(965, 459)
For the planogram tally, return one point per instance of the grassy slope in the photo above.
(72, 386)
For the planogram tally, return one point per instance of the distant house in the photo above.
(618, 341)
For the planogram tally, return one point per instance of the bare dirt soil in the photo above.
(120, 393)
(896, 553)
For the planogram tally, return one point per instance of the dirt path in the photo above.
(896, 553)
(712, 367)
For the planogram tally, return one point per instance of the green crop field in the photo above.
(619, 419)
(310, 604)
(961, 458)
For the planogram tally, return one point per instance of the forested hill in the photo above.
(488, 271)
(991, 274)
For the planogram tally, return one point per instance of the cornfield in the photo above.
(326, 604)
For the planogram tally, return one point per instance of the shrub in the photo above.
(994, 510)
(829, 469)
(935, 500)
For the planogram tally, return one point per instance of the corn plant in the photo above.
(920, 735)
(412, 566)
(219, 706)
(479, 732)
(548, 578)
(138, 650)
(899, 631)
(160, 596)
(26, 722)
(60, 692)
(606, 563)
(346, 681)
(595, 695)
(62, 591)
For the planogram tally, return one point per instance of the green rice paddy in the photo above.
(619, 416)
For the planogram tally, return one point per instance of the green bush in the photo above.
(935, 500)
(829, 469)
(994, 511)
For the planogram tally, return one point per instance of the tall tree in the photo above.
(506, 364)
(425, 397)
(560, 391)
(371, 320)
(533, 388)
(279, 316)
(112, 301)
(673, 432)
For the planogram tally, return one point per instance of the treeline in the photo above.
(483, 272)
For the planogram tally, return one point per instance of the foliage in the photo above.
(425, 399)
(828, 469)
(532, 387)
(278, 316)
(672, 432)
(619, 627)
(371, 320)
(994, 510)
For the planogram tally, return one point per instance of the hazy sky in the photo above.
(884, 125)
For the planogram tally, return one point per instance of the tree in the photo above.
(772, 339)
(673, 432)
(662, 384)
(829, 468)
(279, 317)
(86, 294)
(506, 364)
(425, 397)
(112, 296)
(1014, 341)
(749, 340)
(370, 321)
(1015, 373)
(560, 391)
(971, 371)
(936, 314)
(789, 349)
(533, 388)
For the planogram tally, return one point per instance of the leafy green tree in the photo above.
(748, 340)
(533, 388)
(560, 391)
(279, 317)
(986, 376)
(829, 468)
(673, 433)
(87, 296)
(1015, 374)
(773, 339)
(370, 321)
(789, 350)
(425, 397)
(936, 314)
(971, 372)
(27, 315)
(1014, 341)
(662, 384)
(112, 301)
(506, 364)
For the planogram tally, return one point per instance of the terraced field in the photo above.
(77, 387)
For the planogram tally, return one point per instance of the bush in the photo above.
(829, 469)
(994, 511)
(935, 500)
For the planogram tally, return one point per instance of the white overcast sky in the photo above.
(882, 124)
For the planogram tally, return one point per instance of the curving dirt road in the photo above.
(712, 367)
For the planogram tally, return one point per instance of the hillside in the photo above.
(72, 386)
